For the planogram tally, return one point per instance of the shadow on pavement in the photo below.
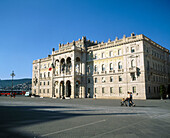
(17, 116)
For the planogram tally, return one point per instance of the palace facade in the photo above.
(85, 68)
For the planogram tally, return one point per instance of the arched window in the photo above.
(132, 63)
(119, 65)
(95, 68)
(103, 68)
(111, 66)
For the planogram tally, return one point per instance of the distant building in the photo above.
(85, 68)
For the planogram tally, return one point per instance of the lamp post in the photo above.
(12, 80)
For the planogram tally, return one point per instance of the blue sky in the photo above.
(29, 29)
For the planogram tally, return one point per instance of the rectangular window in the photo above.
(120, 90)
(103, 91)
(103, 79)
(88, 80)
(134, 89)
(40, 90)
(111, 89)
(95, 56)
(56, 90)
(111, 53)
(132, 49)
(102, 55)
(133, 76)
(120, 78)
(48, 83)
(111, 79)
(47, 90)
(95, 80)
(43, 90)
(157, 89)
(48, 74)
(88, 90)
(44, 82)
(95, 90)
(40, 75)
(40, 83)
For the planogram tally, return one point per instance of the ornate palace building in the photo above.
(110, 69)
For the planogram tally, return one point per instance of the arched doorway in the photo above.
(77, 89)
(62, 89)
(68, 89)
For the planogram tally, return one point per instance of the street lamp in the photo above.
(12, 80)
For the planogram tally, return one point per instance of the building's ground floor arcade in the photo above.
(68, 89)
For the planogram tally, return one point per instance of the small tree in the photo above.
(162, 91)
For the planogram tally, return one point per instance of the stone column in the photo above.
(73, 89)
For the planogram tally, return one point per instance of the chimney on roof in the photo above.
(53, 49)
(96, 42)
(116, 38)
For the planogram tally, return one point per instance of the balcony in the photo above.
(132, 69)
(120, 70)
(95, 72)
(111, 71)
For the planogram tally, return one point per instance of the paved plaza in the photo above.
(74, 118)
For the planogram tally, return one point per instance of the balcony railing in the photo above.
(120, 70)
(132, 69)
